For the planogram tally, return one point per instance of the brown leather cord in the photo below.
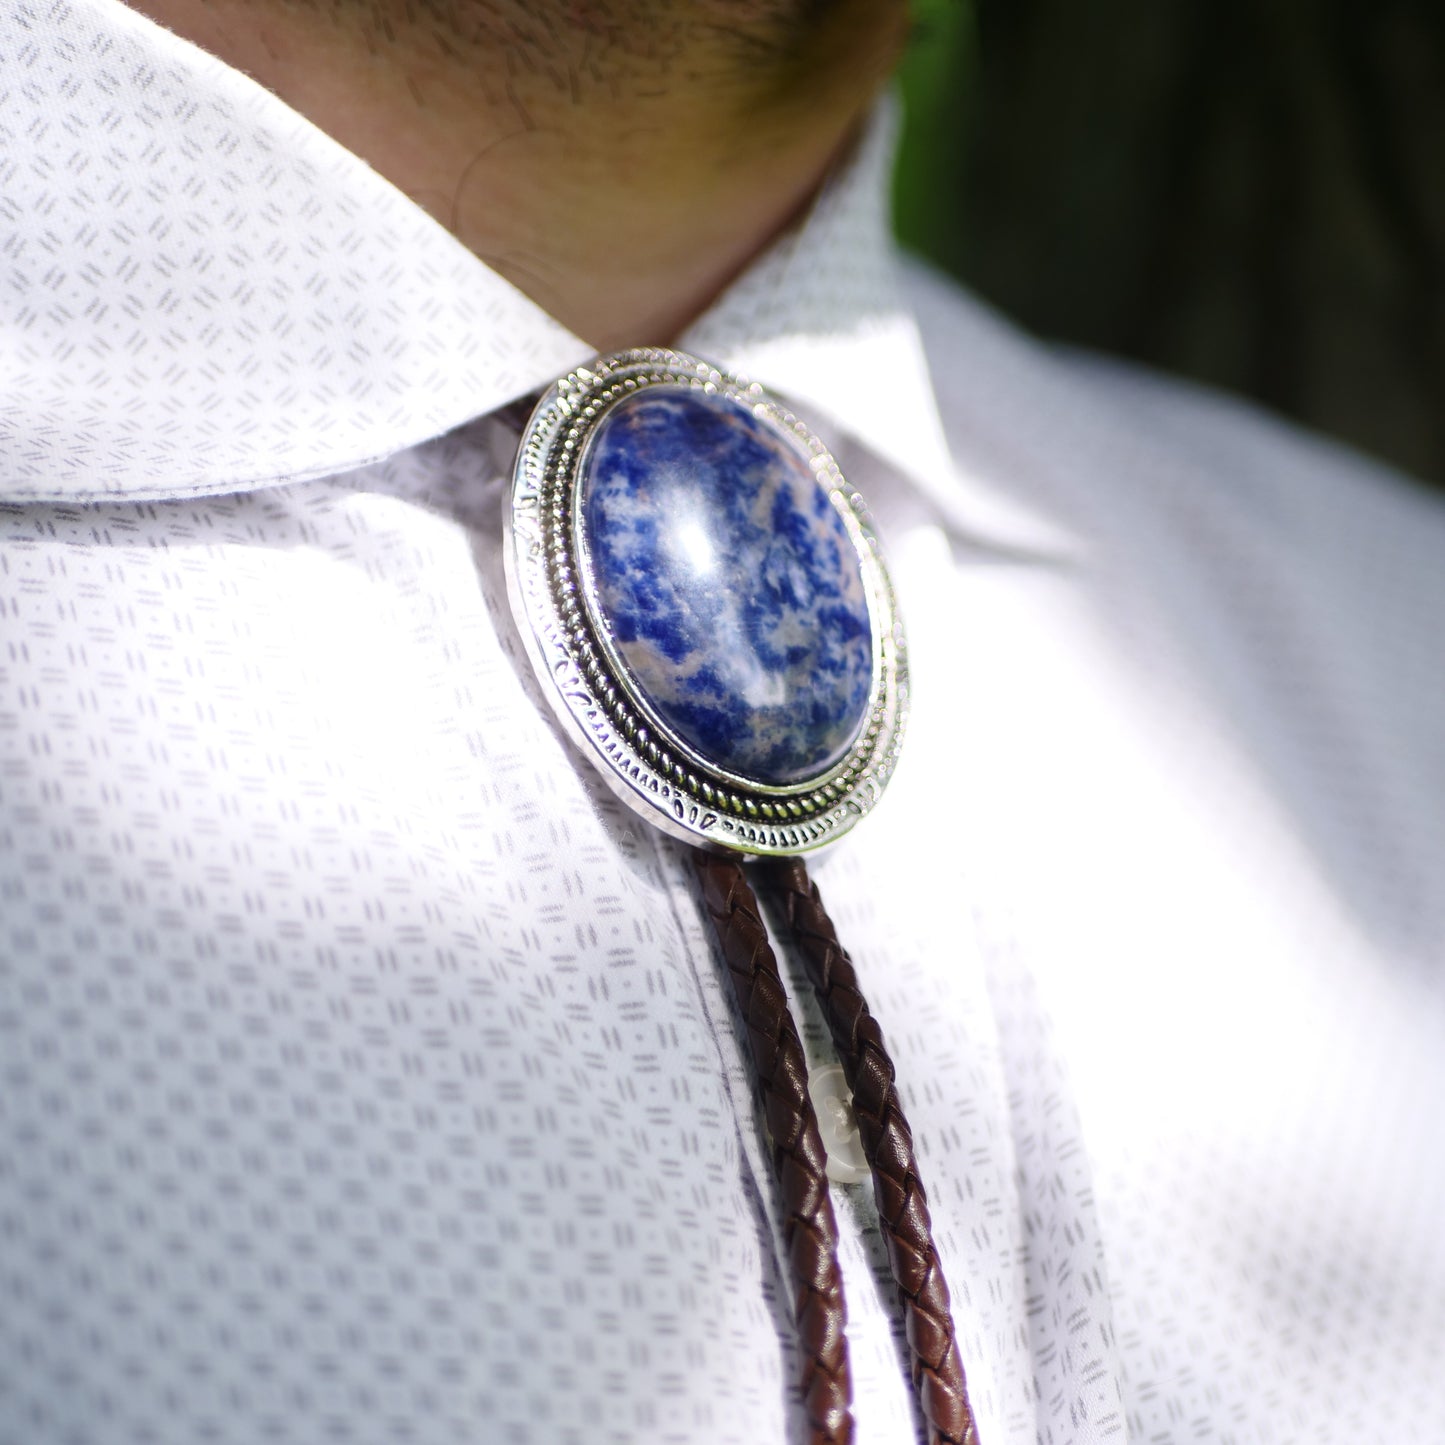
(810, 1231)
(888, 1143)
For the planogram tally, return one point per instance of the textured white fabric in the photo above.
(366, 1073)
(199, 284)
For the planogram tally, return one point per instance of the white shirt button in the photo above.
(833, 1104)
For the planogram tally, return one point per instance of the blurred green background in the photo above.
(1250, 194)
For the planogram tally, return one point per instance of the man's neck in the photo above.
(619, 161)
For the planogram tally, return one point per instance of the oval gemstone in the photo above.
(729, 583)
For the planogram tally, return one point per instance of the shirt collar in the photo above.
(207, 294)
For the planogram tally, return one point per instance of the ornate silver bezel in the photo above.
(584, 677)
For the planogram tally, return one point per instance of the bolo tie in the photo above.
(709, 616)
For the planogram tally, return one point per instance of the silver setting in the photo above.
(591, 689)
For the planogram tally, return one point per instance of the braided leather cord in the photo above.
(888, 1143)
(810, 1232)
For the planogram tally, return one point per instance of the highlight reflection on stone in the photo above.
(729, 583)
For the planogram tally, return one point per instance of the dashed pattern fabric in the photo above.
(1206, 768)
(199, 286)
(366, 1072)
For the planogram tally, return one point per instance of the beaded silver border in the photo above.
(590, 688)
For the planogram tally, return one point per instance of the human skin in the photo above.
(618, 160)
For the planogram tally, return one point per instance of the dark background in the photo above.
(1250, 194)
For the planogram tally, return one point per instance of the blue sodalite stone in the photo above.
(729, 583)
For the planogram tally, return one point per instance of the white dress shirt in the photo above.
(366, 1072)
